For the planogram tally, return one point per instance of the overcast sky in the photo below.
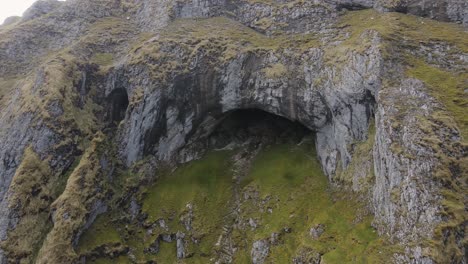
(13, 8)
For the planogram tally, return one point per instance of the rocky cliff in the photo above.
(360, 105)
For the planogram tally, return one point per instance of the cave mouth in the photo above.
(118, 104)
(256, 126)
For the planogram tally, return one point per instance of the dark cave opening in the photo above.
(255, 126)
(351, 6)
(118, 103)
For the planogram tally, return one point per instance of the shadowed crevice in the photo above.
(118, 103)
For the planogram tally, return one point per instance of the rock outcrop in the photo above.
(444, 10)
(260, 251)
(89, 89)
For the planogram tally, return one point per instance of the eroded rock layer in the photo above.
(101, 99)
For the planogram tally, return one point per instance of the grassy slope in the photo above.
(206, 184)
(387, 24)
(413, 30)
(83, 189)
(287, 178)
(293, 177)
(448, 87)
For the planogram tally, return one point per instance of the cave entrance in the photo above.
(255, 126)
(118, 103)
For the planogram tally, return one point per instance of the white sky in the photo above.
(13, 8)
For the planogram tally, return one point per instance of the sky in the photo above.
(13, 8)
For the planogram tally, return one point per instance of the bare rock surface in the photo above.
(91, 88)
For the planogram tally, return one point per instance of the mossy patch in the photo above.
(118, 260)
(408, 30)
(71, 209)
(219, 38)
(442, 129)
(276, 70)
(447, 242)
(448, 87)
(295, 196)
(103, 234)
(31, 180)
(284, 191)
(206, 186)
(33, 188)
(102, 58)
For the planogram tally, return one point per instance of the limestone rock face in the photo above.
(180, 245)
(445, 10)
(89, 89)
(337, 118)
(260, 251)
(400, 203)
(388, 166)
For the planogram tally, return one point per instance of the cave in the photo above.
(351, 6)
(255, 126)
(222, 131)
(118, 103)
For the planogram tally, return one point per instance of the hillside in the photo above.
(222, 131)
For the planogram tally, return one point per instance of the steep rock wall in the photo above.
(339, 109)
(180, 85)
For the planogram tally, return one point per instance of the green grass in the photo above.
(396, 30)
(102, 58)
(207, 185)
(275, 71)
(81, 192)
(103, 233)
(396, 26)
(293, 175)
(32, 188)
(118, 260)
(190, 183)
(406, 34)
(282, 172)
(220, 38)
(287, 178)
(447, 87)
